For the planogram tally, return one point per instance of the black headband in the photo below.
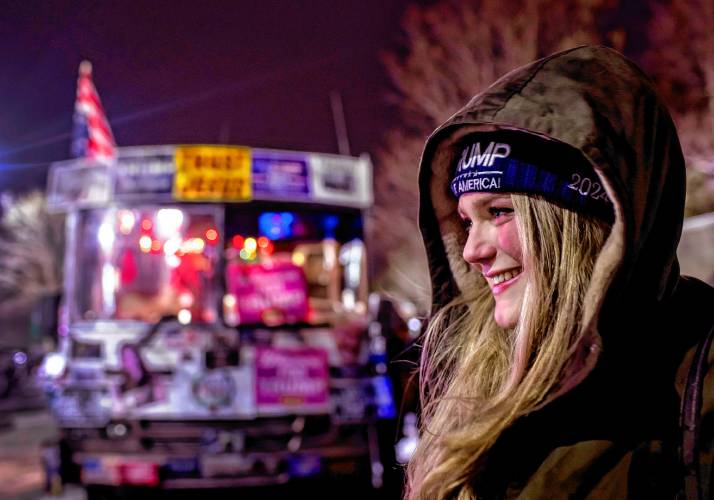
(517, 162)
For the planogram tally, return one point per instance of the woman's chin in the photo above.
(506, 316)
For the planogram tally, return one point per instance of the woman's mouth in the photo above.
(502, 280)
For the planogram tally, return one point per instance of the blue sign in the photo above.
(278, 174)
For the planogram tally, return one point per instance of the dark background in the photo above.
(168, 71)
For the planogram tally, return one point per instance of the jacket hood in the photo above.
(602, 104)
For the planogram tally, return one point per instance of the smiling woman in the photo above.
(497, 244)
(494, 248)
(550, 207)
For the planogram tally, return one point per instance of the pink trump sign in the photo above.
(291, 379)
(271, 294)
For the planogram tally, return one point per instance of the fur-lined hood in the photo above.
(597, 101)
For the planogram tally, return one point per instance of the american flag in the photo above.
(91, 137)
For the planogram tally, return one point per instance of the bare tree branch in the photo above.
(31, 249)
(453, 50)
(680, 57)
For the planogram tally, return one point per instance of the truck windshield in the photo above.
(144, 263)
(288, 264)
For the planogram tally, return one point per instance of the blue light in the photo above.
(329, 223)
(276, 225)
(20, 358)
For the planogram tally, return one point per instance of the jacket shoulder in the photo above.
(700, 298)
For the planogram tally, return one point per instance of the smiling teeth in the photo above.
(500, 278)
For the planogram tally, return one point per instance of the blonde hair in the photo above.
(478, 378)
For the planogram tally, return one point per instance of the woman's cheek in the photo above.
(509, 241)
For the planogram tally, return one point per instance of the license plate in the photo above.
(115, 471)
(140, 473)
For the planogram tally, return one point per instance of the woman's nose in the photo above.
(479, 248)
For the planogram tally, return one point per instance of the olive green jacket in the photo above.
(610, 429)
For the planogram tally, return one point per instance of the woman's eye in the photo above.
(467, 224)
(497, 212)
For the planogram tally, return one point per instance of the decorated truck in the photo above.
(215, 327)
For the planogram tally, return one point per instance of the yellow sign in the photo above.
(212, 173)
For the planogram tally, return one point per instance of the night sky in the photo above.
(168, 72)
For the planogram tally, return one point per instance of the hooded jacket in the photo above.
(610, 428)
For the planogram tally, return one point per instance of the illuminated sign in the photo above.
(278, 174)
(291, 379)
(212, 173)
(145, 176)
(218, 174)
(341, 179)
(268, 294)
(78, 183)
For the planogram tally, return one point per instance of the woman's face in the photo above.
(493, 247)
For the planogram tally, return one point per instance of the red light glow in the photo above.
(268, 249)
(237, 241)
(263, 242)
(146, 224)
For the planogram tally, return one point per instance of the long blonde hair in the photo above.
(478, 378)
